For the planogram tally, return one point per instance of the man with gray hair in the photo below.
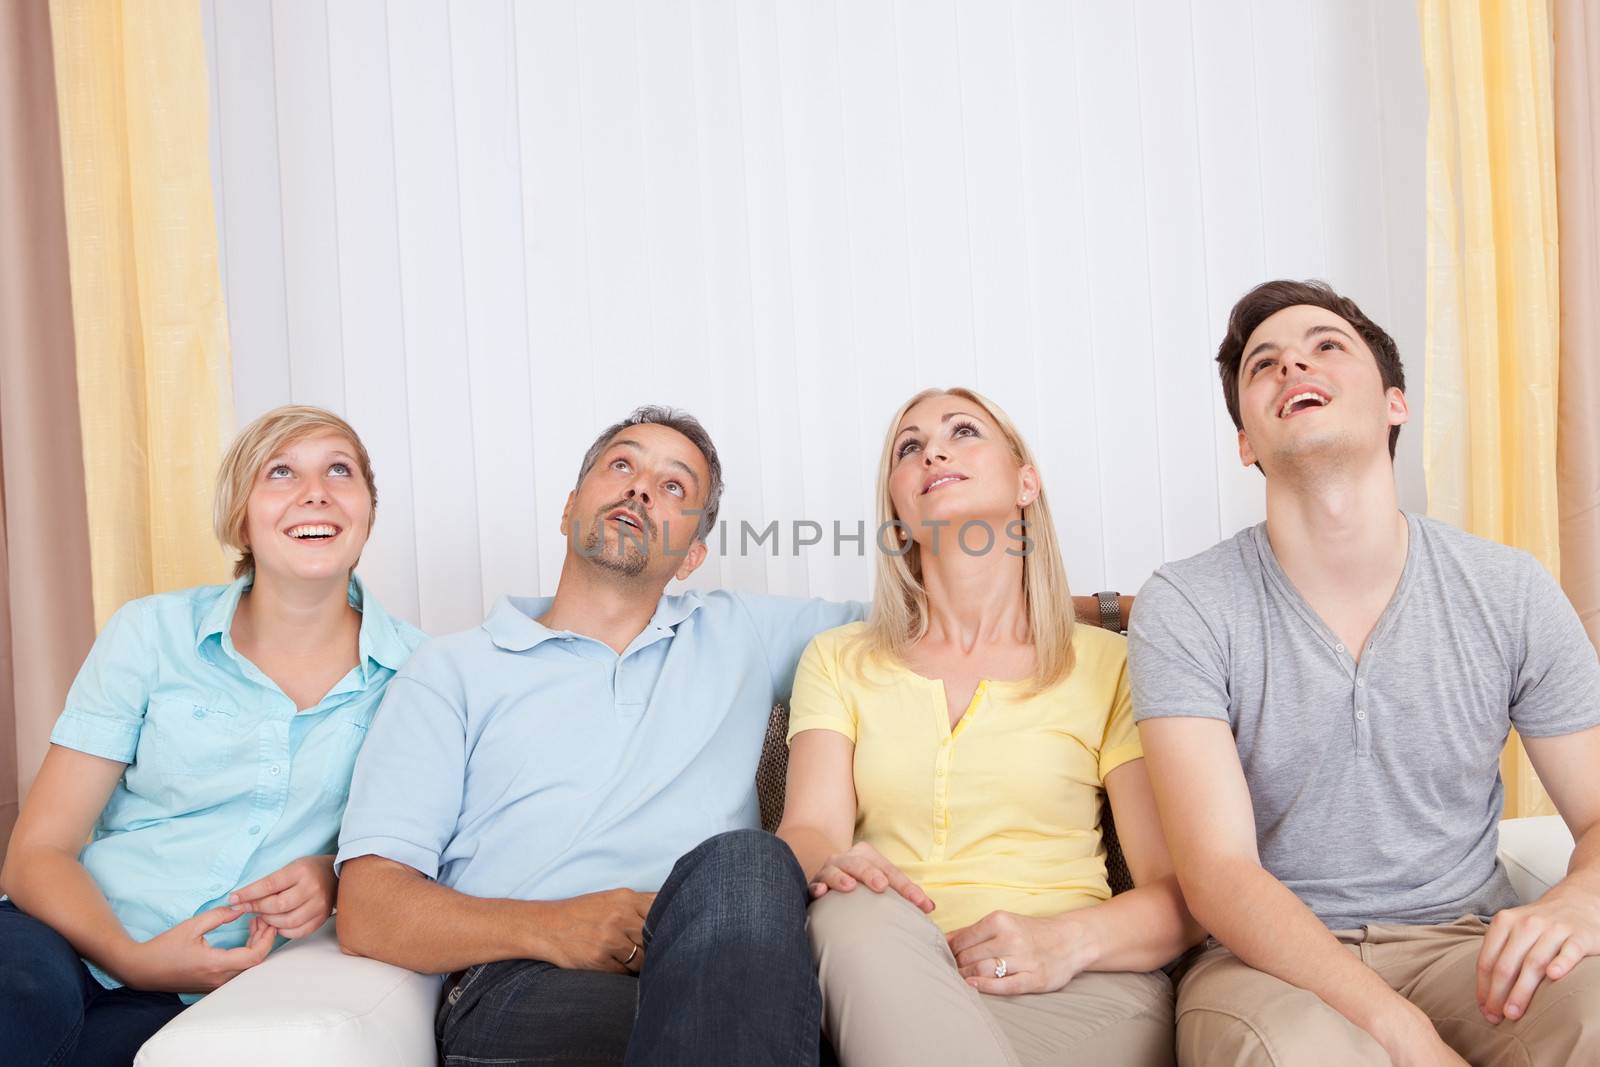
(558, 809)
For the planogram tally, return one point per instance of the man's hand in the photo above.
(294, 900)
(1041, 955)
(864, 865)
(1529, 945)
(181, 961)
(595, 932)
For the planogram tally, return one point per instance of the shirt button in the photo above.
(199, 714)
(1361, 715)
(1361, 683)
(1339, 647)
(255, 830)
(273, 770)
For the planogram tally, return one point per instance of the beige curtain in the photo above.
(1577, 92)
(152, 347)
(1489, 438)
(46, 613)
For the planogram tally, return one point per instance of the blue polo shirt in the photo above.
(515, 761)
(227, 780)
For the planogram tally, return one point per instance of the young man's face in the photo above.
(631, 514)
(1310, 388)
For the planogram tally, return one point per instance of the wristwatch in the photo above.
(1110, 611)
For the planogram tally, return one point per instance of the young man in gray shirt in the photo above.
(1323, 700)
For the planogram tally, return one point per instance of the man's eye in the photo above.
(675, 488)
(1259, 364)
(619, 464)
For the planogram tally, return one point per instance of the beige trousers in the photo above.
(891, 994)
(1232, 1014)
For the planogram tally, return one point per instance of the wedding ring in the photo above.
(1000, 968)
(632, 954)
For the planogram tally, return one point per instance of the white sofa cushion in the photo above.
(308, 1003)
(311, 1004)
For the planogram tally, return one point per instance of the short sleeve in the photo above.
(786, 625)
(405, 796)
(1557, 685)
(106, 705)
(1121, 742)
(818, 702)
(1175, 658)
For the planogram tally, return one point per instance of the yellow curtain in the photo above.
(1493, 289)
(152, 350)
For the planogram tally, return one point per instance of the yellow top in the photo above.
(1001, 813)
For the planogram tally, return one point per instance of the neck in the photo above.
(295, 618)
(609, 608)
(974, 599)
(1341, 529)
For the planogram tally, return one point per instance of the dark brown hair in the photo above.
(1269, 298)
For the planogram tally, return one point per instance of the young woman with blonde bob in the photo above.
(949, 758)
(204, 753)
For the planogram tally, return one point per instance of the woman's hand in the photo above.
(864, 865)
(1041, 955)
(294, 900)
(181, 961)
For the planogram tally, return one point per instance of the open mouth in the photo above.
(942, 481)
(1304, 400)
(313, 531)
(627, 518)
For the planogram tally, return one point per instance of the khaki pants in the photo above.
(1232, 1014)
(891, 994)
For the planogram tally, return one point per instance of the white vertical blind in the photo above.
(483, 230)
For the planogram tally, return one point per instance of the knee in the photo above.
(744, 883)
(1569, 1025)
(1206, 1036)
(856, 929)
(39, 990)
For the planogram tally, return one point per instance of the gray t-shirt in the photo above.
(1376, 785)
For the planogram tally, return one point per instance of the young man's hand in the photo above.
(861, 864)
(594, 932)
(182, 961)
(1533, 944)
(294, 900)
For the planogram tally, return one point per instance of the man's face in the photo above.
(1310, 388)
(634, 512)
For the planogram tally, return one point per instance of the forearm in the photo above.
(1264, 924)
(390, 912)
(1139, 930)
(811, 847)
(1583, 869)
(53, 887)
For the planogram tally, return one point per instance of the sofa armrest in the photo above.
(1535, 852)
(307, 1003)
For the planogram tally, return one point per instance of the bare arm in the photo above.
(42, 873)
(391, 912)
(1544, 940)
(1149, 925)
(1205, 808)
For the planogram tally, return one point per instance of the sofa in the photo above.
(308, 1003)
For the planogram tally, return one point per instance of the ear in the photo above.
(1399, 410)
(1247, 455)
(566, 511)
(692, 559)
(1027, 485)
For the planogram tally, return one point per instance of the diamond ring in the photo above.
(1000, 968)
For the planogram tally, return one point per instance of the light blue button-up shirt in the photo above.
(515, 761)
(227, 780)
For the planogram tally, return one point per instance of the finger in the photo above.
(209, 920)
(818, 889)
(1494, 942)
(907, 888)
(275, 882)
(1508, 967)
(834, 878)
(1010, 985)
(967, 936)
(1533, 968)
(306, 913)
(863, 871)
(1570, 956)
(989, 950)
(288, 899)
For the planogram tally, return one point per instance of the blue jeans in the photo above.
(727, 978)
(52, 1011)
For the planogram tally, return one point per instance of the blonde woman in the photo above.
(949, 757)
(205, 754)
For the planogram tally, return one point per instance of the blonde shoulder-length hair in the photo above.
(900, 601)
(259, 442)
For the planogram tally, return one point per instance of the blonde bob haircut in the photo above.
(900, 601)
(259, 442)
